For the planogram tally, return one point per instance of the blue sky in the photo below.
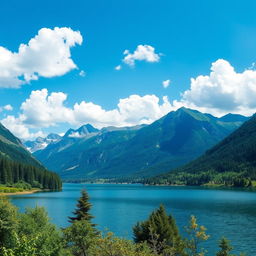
(187, 37)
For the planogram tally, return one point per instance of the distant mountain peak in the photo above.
(81, 132)
(53, 136)
(40, 143)
(187, 112)
(233, 118)
(69, 132)
(87, 128)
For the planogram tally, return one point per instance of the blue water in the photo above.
(229, 213)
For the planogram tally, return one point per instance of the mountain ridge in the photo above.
(230, 162)
(130, 151)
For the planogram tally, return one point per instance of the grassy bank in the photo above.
(4, 190)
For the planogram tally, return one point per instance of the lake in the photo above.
(229, 213)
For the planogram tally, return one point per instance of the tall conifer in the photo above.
(83, 208)
(225, 248)
(160, 232)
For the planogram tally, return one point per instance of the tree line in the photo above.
(31, 234)
(12, 172)
(211, 178)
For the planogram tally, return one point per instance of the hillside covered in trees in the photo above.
(232, 162)
(18, 165)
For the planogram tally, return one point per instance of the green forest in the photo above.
(31, 234)
(13, 174)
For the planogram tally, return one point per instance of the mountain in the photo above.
(17, 164)
(84, 131)
(231, 162)
(171, 141)
(234, 118)
(12, 148)
(41, 143)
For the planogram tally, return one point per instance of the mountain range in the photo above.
(139, 151)
(41, 143)
(231, 162)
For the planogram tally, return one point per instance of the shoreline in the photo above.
(205, 186)
(26, 192)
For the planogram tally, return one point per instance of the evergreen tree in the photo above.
(79, 237)
(83, 208)
(13, 172)
(160, 232)
(225, 248)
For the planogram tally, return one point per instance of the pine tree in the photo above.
(14, 172)
(160, 232)
(83, 208)
(225, 248)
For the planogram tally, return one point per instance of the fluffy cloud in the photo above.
(142, 53)
(119, 67)
(7, 107)
(17, 127)
(42, 109)
(222, 91)
(137, 110)
(82, 73)
(46, 55)
(166, 83)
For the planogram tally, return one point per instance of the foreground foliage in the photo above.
(159, 232)
(31, 234)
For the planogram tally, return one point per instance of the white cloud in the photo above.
(222, 91)
(18, 128)
(42, 109)
(45, 55)
(142, 53)
(166, 83)
(82, 73)
(7, 107)
(119, 67)
(140, 110)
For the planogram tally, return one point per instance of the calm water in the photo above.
(226, 213)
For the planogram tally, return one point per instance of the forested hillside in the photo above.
(14, 172)
(12, 148)
(231, 162)
(17, 164)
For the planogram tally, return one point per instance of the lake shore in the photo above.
(203, 186)
(26, 192)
